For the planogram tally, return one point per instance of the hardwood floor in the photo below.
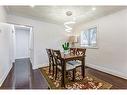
(117, 82)
(23, 77)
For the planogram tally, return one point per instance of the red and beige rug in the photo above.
(89, 82)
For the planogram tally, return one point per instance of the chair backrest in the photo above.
(73, 51)
(57, 57)
(80, 51)
(50, 55)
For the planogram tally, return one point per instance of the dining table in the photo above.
(71, 57)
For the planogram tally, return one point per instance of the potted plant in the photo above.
(66, 47)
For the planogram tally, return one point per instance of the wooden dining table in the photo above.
(71, 57)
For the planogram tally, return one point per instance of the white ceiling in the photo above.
(57, 14)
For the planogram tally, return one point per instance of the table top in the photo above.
(70, 56)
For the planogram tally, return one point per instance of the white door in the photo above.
(22, 42)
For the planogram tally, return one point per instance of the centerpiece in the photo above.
(66, 47)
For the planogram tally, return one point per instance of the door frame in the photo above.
(31, 43)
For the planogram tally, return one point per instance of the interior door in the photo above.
(22, 43)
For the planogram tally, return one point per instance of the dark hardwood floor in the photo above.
(22, 76)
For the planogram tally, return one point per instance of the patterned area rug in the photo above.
(89, 82)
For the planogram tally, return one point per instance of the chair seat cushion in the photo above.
(68, 67)
(75, 63)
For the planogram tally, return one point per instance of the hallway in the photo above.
(23, 77)
(22, 74)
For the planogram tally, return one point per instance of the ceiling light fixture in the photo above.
(68, 28)
(94, 8)
(68, 24)
(68, 13)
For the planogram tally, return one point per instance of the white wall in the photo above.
(5, 51)
(31, 44)
(2, 14)
(22, 43)
(111, 55)
(46, 35)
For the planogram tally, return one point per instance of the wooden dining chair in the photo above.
(77, 51)
(81, 51)
(73, 50)
(51, 61)
(59, 64)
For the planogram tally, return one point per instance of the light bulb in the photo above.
(32, 6)
(94, 8)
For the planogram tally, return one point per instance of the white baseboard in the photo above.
(2, 79)
(21, 58)
(106, 70)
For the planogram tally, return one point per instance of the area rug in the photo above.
(89, 82)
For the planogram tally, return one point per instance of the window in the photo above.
(89, 37)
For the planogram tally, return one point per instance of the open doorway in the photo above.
(23, 42)
(22, 36)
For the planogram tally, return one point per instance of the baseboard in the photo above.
(39, 66)
(106, 70)
(2, 79)
(22, 58)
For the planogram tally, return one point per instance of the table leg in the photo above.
(63, 74)
(83, 68)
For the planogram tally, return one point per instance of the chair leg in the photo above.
(74, 71)
(53, 69)
(49, 68)
(56, 73)
(67, 73)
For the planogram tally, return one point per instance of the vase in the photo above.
(66, 51)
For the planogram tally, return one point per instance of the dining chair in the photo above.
(59, 64)
(77, 51)
(73, 51)
(51, 61)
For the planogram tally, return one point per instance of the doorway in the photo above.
(22, 41)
